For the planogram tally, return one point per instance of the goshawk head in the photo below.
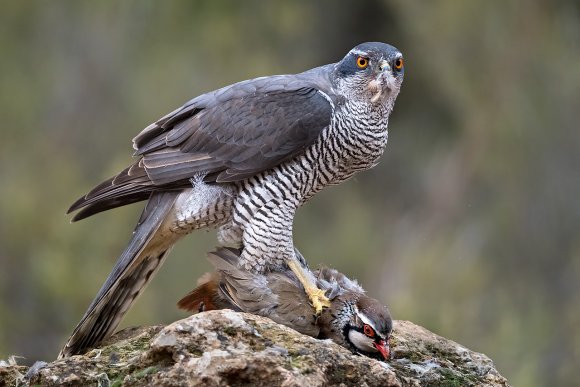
(371, 73)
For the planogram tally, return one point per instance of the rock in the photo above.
(11, 373)
(225, 348)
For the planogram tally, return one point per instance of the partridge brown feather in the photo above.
(281, 297)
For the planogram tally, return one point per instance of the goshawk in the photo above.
(242, 159)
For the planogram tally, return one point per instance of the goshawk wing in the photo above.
(227, 135)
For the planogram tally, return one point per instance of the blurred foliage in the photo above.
(470, 226)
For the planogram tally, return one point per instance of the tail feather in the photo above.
(229, 287)
(134, 269)
(204, 297)
(213, 291)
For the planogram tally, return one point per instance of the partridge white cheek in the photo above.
(361, 341)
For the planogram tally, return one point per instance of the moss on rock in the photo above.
(224, 348)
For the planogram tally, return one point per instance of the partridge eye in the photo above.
(398, 63)
(368, 331)
(362, 62)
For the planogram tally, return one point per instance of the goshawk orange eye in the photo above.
(398, 63)
(362, 62)
(368, 330)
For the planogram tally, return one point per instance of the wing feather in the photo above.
(228, 135)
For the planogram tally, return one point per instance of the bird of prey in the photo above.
(353, 319)
(242, 159)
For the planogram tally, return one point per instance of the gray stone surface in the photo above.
(225, 348)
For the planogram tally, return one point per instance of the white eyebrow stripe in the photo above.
(358, 52)
(367, 321)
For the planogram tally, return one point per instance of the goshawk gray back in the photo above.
(242, 159)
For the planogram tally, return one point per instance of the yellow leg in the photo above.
(316, 296)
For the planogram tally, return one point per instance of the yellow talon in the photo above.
(318, 299)
(317, 296)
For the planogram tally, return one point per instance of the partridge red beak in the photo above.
(383, 347)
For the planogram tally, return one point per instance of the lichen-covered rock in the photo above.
(11, 374)
(225, 348)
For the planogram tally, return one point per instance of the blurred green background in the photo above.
(470, 225)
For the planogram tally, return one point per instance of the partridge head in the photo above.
(353, 319)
